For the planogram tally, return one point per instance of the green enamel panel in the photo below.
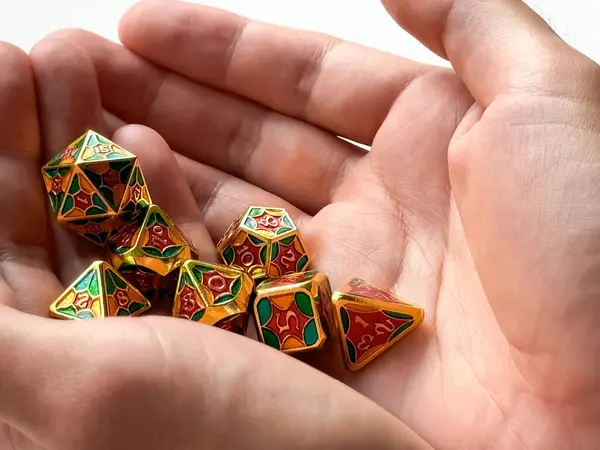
(264, 310)
(398, 315)
(185, 279)
(263, 255)
(400, 330)
(68, 205)
(124, 171)
(351, 351)
(68, 311)
(199, 268)
(255, 212)
(94, 287)
(152, 252)
(83, 284)
(283, 231)
(152, 219)
(345, 320)
(196, 317)
(74, 188)
(63, 171)
(120, 250)
(236, 286)
(304, 303)
(133, 179)
(250, 223)
(301, 263)
(56, 200)
(102, 139)
(140, 177)
(123, 312)
(135, 307)
(288, 240)
(85, 315)
(110, 284)
(56, 160)
(80, 140)
(51, 173)
(98, 202)
(228, 255)
(118, 280)
(286, 221)
(94, 211)
(255, 240)
(93, 140)
(94, 177)
(171, 251)
(108, 194)
(161, 220)
(274, 251)
(271, 339)
(310, 334)
(224, 299)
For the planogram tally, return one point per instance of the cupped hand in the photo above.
(483, 212)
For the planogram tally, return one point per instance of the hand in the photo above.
(519, 174)
(132, 383)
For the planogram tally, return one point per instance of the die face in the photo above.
(268, 223)
(83, 299)
(151, 240)
(82, 200)
(68, 156)
(264, 242)
(99, 292)
(136, 195)
(110, 178)
(220, 297)
(95, 148)
(368, 326)
(246, 252)
(288, 256)
(288, 316)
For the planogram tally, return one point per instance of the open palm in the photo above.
(490, 227)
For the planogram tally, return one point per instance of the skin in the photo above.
(477, 201)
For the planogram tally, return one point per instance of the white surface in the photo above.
(24, 22)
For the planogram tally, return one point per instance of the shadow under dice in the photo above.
(99, 292)
(94, 185)
(213, 294)
(370, 320)
(289, 311)
(264, 242)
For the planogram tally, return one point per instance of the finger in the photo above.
(496, 46)
(23, 235)
(231, 134)
(168, 185)
(69, 103)
(222, 197)
(339, 86)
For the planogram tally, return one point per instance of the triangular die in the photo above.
(83, 299)
(99, 148)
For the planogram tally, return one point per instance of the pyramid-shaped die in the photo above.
(369, 320)
(94, 185)
(99, 292)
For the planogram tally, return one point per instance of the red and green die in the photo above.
(264, 242)
(289, 311)
(213, 294)
(370, 320)
(150, 240)
(94, 185)
(100, 291)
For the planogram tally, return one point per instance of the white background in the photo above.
(24, 22)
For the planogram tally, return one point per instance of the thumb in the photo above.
(496, 46)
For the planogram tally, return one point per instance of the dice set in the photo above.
(97, 189)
